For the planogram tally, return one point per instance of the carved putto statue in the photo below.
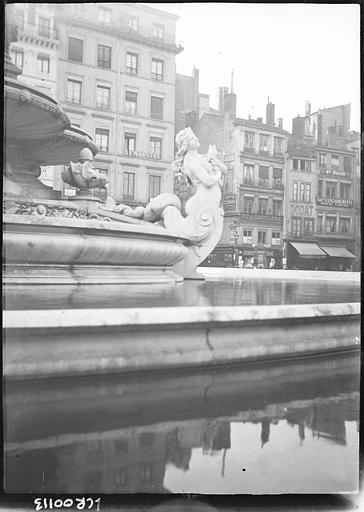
(83, 175)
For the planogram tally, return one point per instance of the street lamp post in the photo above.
(236, 252)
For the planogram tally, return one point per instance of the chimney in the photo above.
(307, 108)
(230, 104)
(269, 116)
(280, 122)
(223, 91)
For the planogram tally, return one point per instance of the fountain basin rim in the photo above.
(13, 222)
(170, 316)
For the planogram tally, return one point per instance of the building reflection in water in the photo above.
(135, 459)
(135, 435)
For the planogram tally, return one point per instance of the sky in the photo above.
(289, 52)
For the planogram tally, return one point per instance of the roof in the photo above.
(253, 123)
(338, 252)
(308, 249)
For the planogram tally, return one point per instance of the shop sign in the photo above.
(334, 172)
(257, 217)
(301, 210)
(142, 154)
(333, 201)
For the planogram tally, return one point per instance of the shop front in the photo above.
(305, 256)
(338, 258)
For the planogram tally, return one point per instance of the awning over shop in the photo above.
(308, 250)
(338, 252)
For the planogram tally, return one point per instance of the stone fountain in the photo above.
(53, 240)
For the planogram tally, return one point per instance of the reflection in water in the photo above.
(289, 428)
(212, 292)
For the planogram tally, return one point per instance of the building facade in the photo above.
(354, 145)
(117, 82)
(36, 49)
(254, 195)
(321, 223)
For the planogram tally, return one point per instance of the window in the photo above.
(331, 189)
(103, 97)
(44, 26)
(104, 56)
(156, 146)
(295, 191)
(249, 174)
(18, 57)
(347, 164)
(263, 206)
(345, 190)
(319, 187)
(156, 107)
(263, 175)
(75, 49)
(277, 207)
(302, 192)
(319, 223)
(130, 142)
(295, 164)
(296, 226)
(131, 102)
(145, 473)
(157, 69)
(322, 160)
(249, 139)
(263, 143)
(308, 193)
(278, 144)
(307, 165)
(330, 224)
(247, 236)
(43, 63)
(276, 238)
(102, 139)
(154, 186)
(74, 91)
(132, 63)
(248, 204)
(133, 23)
(101, 191)
(20, 19)
(335, 162)
(121, 477)
(104, 15)
(129, 185)
(344, 224)
(261, 237)
(158, 31)
(277, 177)
(308, 225)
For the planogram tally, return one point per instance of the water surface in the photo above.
(288, 428)
(215, 291)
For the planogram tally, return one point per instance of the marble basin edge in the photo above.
(51, 240)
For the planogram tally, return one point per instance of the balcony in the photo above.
(262, 183)
(249, 149)
(119, 27)
(34, 34)
(278, 186)
(334, 201)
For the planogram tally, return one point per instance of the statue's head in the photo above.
(186, 139)
(86, 155)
